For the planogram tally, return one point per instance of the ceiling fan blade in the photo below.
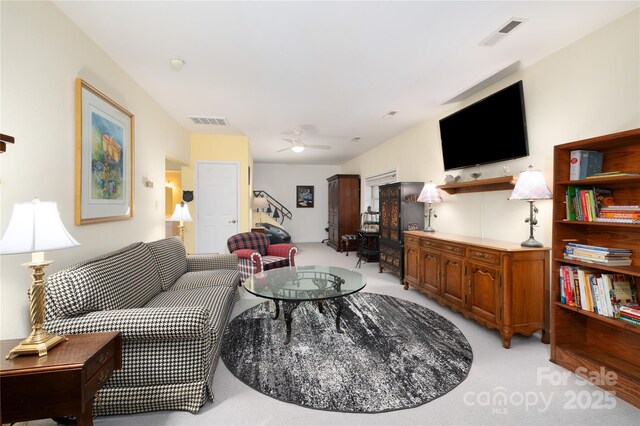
(284, 149)
(317, 146)
(288, 140)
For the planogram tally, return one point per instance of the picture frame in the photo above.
(104, 158)
(304, 196)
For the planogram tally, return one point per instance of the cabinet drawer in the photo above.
(484, 255)
(101, 358)
(452, 248)
(429, 243)
(101, 376)
(410, 239)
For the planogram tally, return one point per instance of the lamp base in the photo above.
(429, 229)
(531, 242)
(36, 343)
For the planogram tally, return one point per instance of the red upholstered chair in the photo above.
(255, 254)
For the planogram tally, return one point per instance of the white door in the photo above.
(216, 204)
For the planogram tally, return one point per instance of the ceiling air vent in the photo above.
(502, 32)
(210, 121)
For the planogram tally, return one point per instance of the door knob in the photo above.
(232, 221)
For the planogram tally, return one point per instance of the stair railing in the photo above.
(279, 212)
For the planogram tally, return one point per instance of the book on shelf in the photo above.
(584, 163)
(608, 262)
(617, 220)
(602, 293)
(611, 174)
(598, 248)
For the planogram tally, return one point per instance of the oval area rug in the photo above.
(392, 355)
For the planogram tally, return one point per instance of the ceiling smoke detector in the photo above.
(504, 30)
(176, 63)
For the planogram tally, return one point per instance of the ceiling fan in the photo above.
(298, 146)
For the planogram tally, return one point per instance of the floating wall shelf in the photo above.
(481, 185)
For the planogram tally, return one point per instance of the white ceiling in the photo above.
(330, 69)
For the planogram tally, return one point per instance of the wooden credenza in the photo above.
(344, 208)
(499, 284)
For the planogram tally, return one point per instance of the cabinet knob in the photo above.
(102, 378)
(102, 358)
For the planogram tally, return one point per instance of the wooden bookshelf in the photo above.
(583, 341)
(480, 185)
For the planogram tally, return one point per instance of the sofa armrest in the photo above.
(207, 262)
(245, 253)
(166, 323)
(283, 250)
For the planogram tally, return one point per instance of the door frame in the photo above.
(197, 164)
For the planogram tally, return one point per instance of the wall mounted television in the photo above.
(490, 130)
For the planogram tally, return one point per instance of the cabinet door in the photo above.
(452, 285)
(430, 270)
(412, 264)
(384, 213)
(484, 293)
(394, 218)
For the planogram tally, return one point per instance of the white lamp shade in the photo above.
(297, 148)
(181, 213)
(531, 186)
(35, 227)
(260, 203)
(430, 194)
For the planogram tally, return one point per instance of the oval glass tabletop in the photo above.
(309, 282)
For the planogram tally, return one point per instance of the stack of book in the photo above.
(585, 204)
(611, 174)
(593, 291)
(630, 314)
(619, 214)
(598, 255)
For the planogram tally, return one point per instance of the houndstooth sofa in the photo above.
(171, 310)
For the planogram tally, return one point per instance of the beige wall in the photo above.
(42, 54)
(587, 89)
(219, 148)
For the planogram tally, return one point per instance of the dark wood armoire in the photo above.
(344, 207)
(399, 212)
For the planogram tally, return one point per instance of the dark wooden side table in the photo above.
(62, 383)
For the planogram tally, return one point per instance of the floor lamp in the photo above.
(260, 203)
(181, 214)
(35, 227)
(531, 187)
(429, 195)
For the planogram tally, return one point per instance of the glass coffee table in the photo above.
(296, 284)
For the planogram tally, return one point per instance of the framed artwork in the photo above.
(304, 196)
(104, 158)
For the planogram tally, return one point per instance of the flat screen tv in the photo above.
(490, 130)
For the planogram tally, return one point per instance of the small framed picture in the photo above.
(304, 196)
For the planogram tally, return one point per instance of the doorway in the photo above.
(217, 204)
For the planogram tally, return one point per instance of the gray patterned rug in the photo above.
(392, 355)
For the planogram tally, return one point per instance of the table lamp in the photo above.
(33, 228)
(260, 203)
(181, 214)
(429, 195)
(530, 187)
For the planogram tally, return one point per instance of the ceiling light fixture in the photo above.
(176, 63)
(297, 148)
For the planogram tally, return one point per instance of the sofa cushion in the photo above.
(122, 279)
(219, 300)
(227, 277)
(171, 257)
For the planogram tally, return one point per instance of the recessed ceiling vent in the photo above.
(502, 32)
(210, 121)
